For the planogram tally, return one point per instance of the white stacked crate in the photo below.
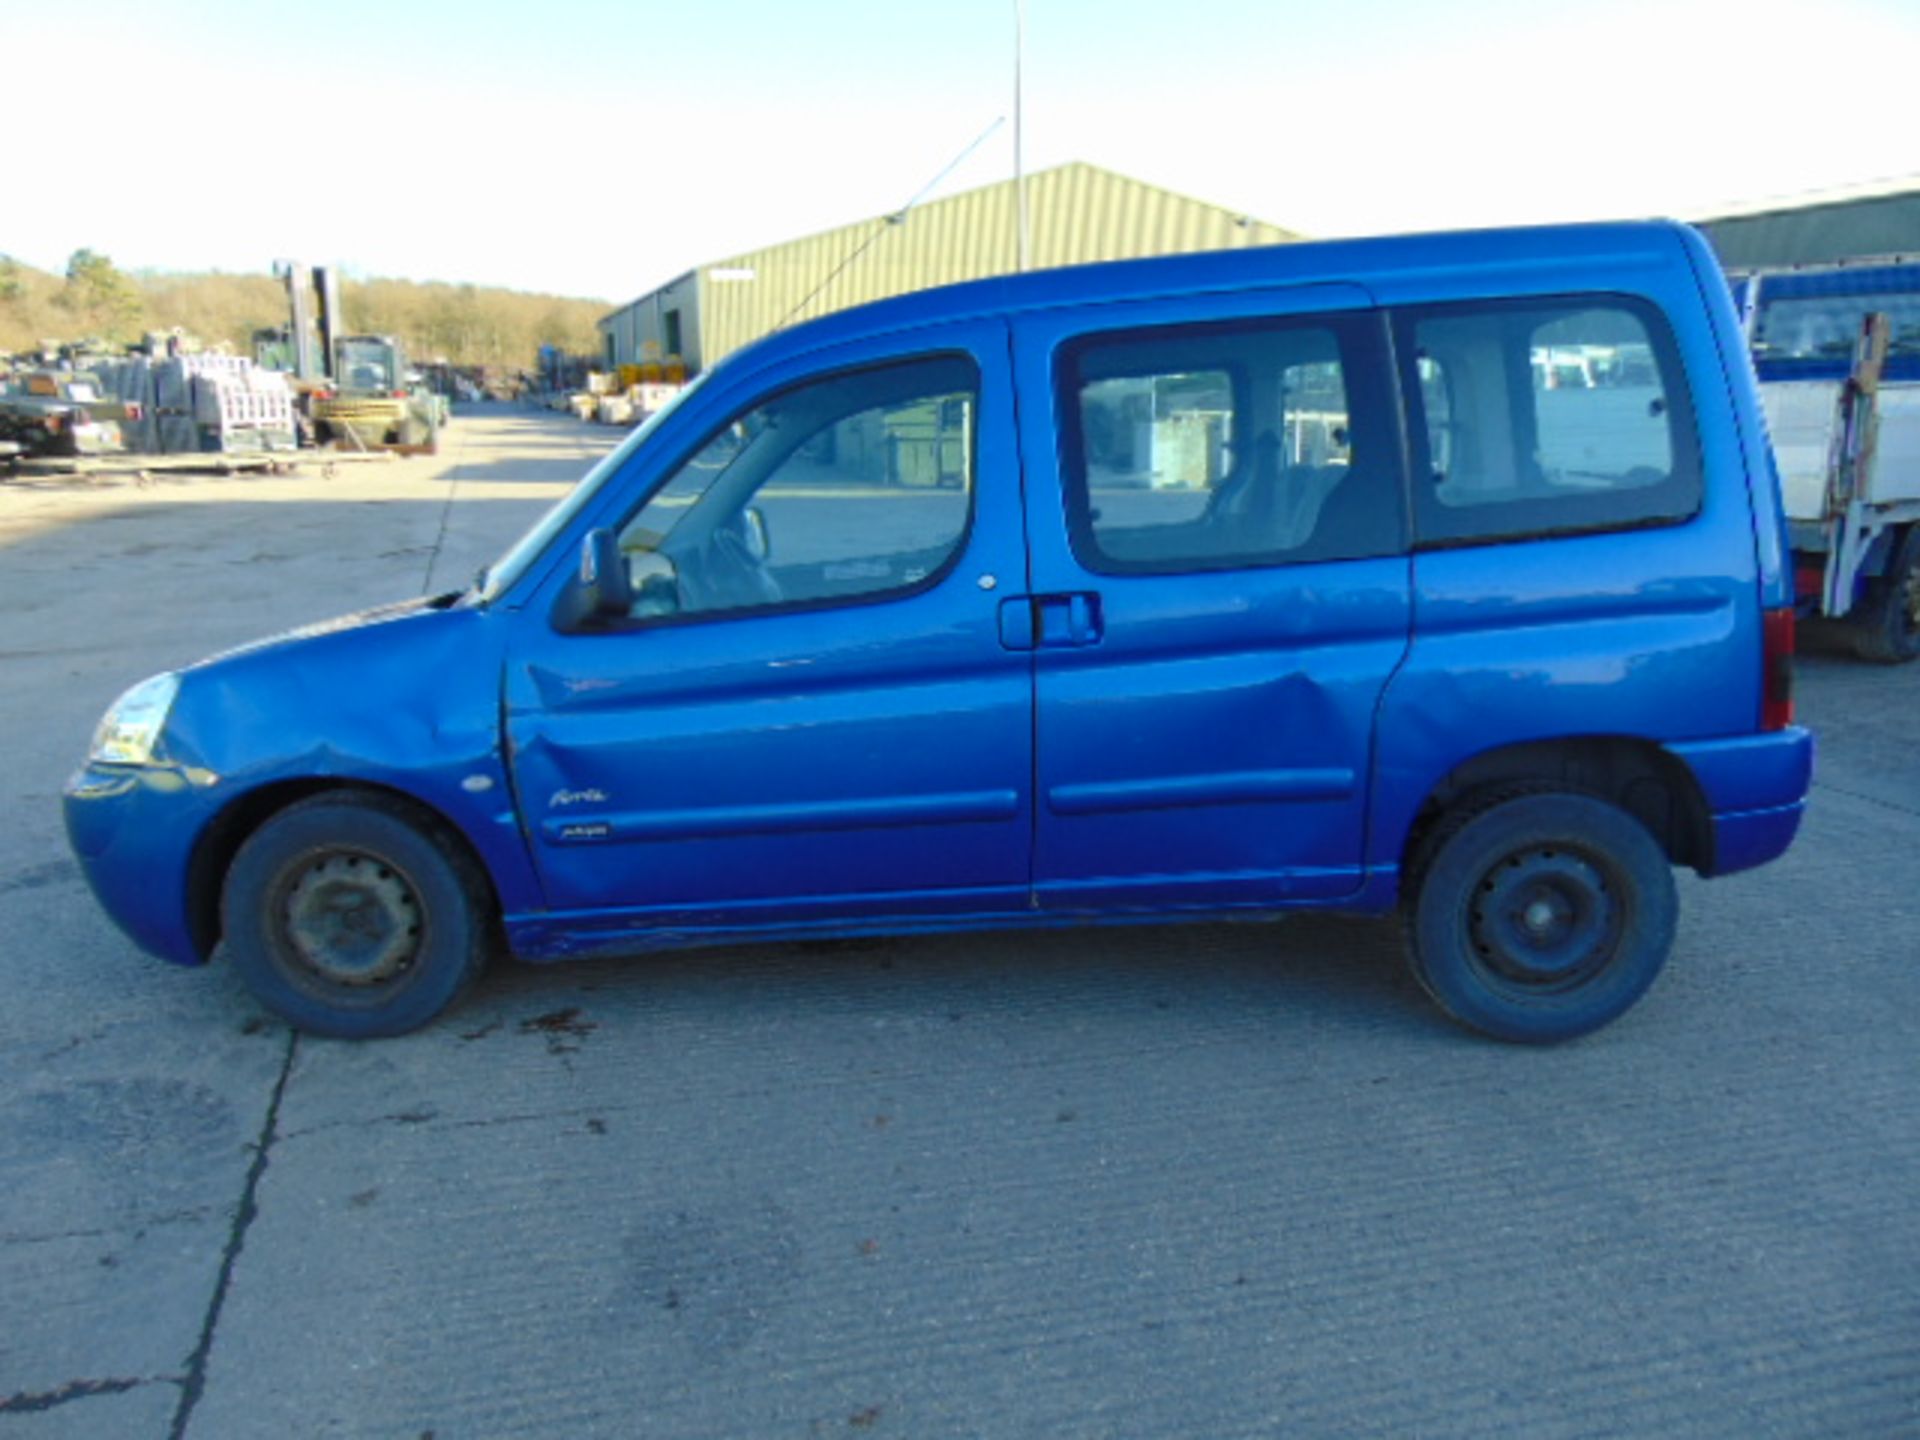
(238, 407)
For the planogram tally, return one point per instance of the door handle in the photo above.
(1072, 619)
(1056, 621)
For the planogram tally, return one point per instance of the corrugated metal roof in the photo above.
(1835, 195)
(1381, 265)
(1879, 218)
(1076, 213)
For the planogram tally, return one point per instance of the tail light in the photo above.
(399, 394)
(1776, 668)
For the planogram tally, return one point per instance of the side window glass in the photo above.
(1210, 447)
(1550, 416)
(844, 488)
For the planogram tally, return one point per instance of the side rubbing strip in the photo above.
(879, 812)
(1245, 787)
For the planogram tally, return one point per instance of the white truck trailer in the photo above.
(1837, 352)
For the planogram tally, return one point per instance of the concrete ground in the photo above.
(1211, 1182)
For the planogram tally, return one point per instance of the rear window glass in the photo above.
(1827, 327)
(1541, 417)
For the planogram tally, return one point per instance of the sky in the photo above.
(599, 148)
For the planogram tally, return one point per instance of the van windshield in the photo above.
(498, 577)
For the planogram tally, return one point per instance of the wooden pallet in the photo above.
(145, 467)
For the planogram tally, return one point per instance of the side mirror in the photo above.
(606, 587)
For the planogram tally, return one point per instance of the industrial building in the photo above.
(1076, 213)
(1080, 212)
(1881, 218)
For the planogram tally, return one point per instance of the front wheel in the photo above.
(1541, 917)
(351, 915)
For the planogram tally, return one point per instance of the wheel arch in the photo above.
(1638, 775)
(213, 853)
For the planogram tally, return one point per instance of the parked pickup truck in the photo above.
(1443, 575)
(1837, 352)
(53, 412)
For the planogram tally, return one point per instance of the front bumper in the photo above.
(133, 830)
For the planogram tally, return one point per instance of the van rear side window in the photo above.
(1215, 447)
(1544, 417)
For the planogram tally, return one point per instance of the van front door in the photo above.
(1220, 590)
(809, 713)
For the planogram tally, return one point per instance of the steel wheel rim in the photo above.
(1544, 919)
(351, 919)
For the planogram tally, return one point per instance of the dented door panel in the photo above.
(1203, 737)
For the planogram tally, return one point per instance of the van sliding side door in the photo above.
(1220, 590)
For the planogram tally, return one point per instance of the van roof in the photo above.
(1438, 257)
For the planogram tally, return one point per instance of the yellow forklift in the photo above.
(374, 402)
(357, 390)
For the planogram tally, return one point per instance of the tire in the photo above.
(1540, 917)
(1887, 628)
(351, 915)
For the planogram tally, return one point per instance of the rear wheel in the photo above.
(352, 915)
(1886, 628)
(1540, 917)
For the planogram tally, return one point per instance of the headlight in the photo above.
(131, 726)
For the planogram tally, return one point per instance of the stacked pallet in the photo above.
(201, 404)
(623, 407)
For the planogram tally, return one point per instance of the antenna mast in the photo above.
(1025, 246)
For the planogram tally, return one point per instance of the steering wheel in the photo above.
(724, 574)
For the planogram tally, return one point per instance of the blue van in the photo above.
(1444, 574)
